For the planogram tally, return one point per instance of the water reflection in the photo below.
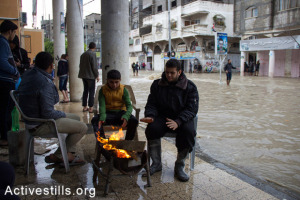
(253, 124)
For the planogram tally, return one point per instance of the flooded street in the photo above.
(253, 125)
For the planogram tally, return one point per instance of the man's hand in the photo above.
(147, 120)
(171, 124)
(124, 123)
(98, 79)
(18, 63)
(100, 124)
(226, 71)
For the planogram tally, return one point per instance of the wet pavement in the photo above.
(247, 147)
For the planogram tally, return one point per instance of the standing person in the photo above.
(137, 68)
(133, 68)
(171, 106)
(115, 106)
(8, 77)
(246, 68)
(88, 72)
(191, 68)
(227, 69)
(38, 95)
(62, 73)
(20, 55)
(257, 68)
(251, 68)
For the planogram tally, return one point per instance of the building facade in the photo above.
(92, 33)
(193, 27)
(270, 33)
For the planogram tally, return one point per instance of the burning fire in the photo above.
(120, 153)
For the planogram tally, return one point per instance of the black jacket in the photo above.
(228, 67)
(178, 101)
(62, 68)
(20, 55)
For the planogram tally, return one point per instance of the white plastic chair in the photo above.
(30, 137)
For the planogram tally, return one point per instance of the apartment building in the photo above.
(193, 27)
(270, 33)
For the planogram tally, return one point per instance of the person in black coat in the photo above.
(20, 55)
(171, 106)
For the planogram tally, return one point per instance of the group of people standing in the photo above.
(135, 68)
(252, 68)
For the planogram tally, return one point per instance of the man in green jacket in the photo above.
(88, 72)
(115, 106)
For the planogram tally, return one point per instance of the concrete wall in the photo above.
(36, 43)
(11, 9)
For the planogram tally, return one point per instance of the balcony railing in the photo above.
(148, 38)
(195, 29)
(147, 20)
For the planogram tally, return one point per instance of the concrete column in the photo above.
(271, 63)
(115, 40)
(75, 47)
(243, 59)
(58, 34)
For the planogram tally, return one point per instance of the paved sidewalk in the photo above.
(206, 181)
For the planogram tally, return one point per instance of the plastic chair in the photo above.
(30, 137)
(193, 153)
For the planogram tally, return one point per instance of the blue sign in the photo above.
(221, 43)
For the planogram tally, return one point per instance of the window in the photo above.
(173, 4)
(137, 41)
(287, 4)
(159, 8)
(251, 12)
(187, 23)
(158, 28)
(134, 25)
(196, 21)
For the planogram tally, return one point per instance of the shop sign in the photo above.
(275, 43)
(181, 55)
(181, 47)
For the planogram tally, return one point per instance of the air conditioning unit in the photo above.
(24, 18)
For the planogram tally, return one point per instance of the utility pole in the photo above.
(169, 7)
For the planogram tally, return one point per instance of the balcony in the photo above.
(195, 29)
(148, 38)
(147, 21)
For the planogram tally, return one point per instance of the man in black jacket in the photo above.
(172, 104)
(20, 55)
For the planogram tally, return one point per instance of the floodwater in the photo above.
(252, 125)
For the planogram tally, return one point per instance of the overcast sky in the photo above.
(44, 8)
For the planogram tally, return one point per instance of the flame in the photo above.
(120, 153)
(117, 136)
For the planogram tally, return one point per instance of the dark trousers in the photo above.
(114, 118)
(7, 174)
(185, 134)
(88, 92)
(6, 107)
